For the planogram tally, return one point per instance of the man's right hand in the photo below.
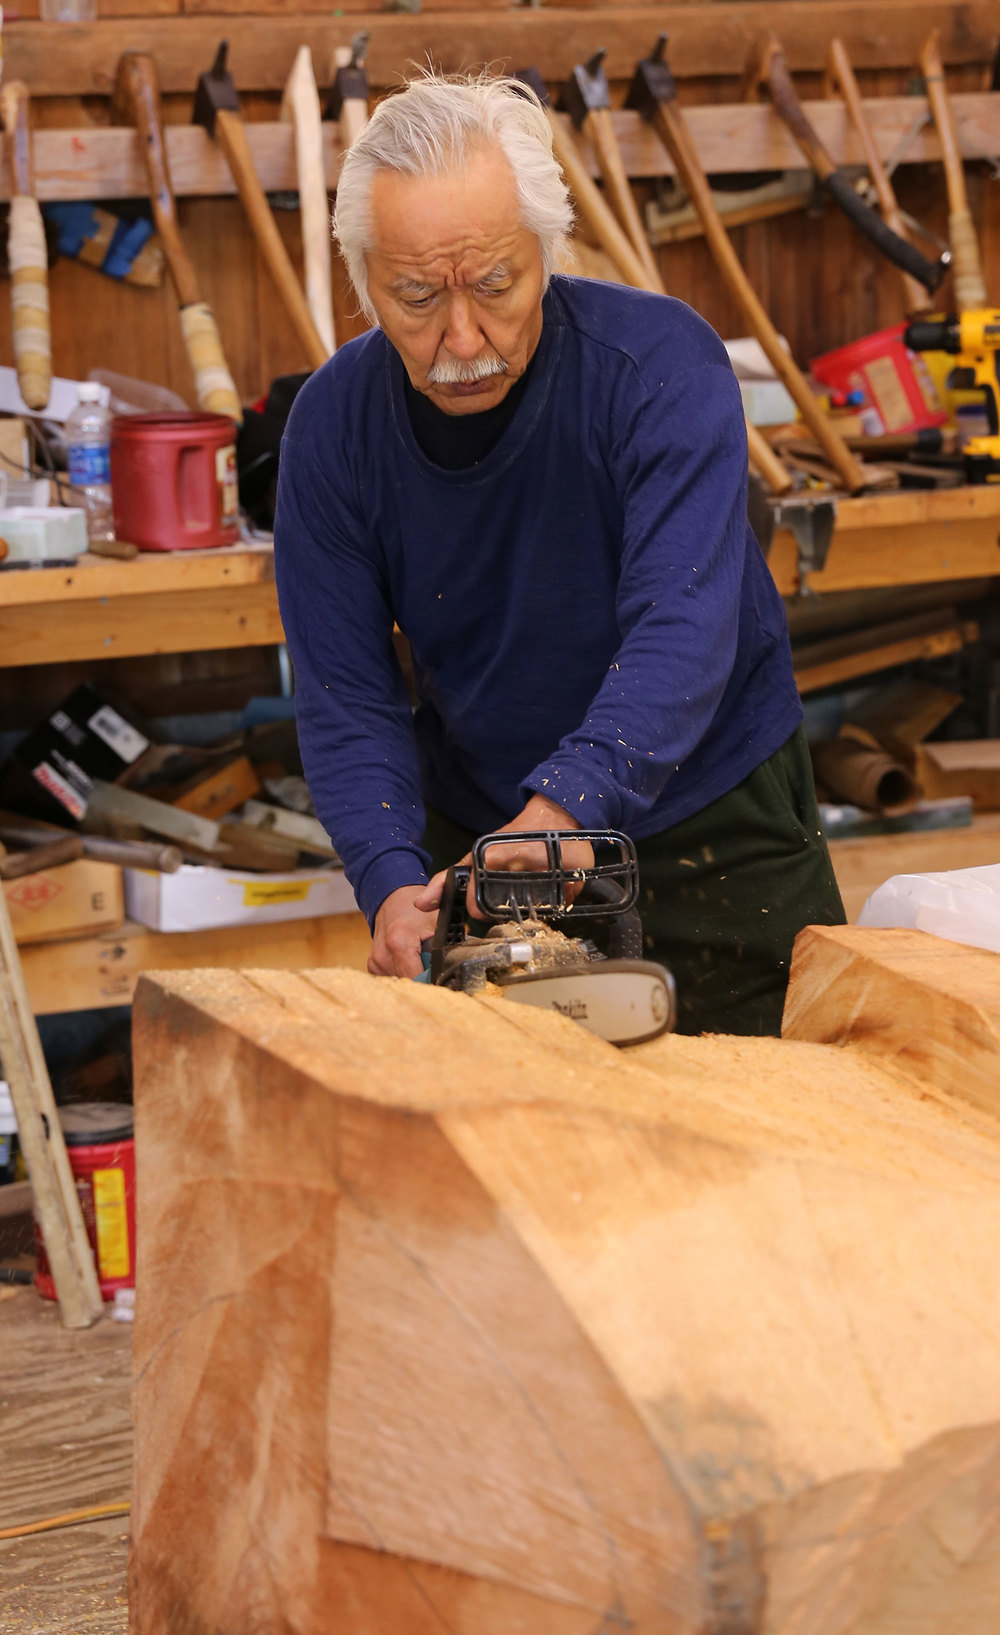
(400, 929)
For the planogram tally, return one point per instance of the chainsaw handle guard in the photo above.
(489, 883)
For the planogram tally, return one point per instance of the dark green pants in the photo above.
(724, 894)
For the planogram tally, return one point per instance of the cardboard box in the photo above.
(965, 767)
(198, 898)
(72, 901)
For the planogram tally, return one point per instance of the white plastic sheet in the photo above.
(962, 905)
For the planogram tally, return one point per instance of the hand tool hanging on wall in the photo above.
(970, 286)
(136, 101)
(27, 254)
(217, 107)
(592, 204)
(585, 97)
(595, 208)
(300, 108)
(769, 71)
(840, 76)
(347, 102)
(654, 95)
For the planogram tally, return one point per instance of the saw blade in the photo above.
(625, 1002)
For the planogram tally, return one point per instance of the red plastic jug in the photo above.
(173, 480)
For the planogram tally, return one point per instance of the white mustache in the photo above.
(464, 372)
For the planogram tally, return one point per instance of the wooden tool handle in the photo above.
(300, 104)
(600, 130)
(597, 212)
(669, 123)
(354, 113)
(214, 386)
(232, 139)
(915, 296)
(27, 255)
(136, 101)
(51, 855)
(970, 285)
(764, 460)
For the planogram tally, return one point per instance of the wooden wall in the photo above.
(820, 282)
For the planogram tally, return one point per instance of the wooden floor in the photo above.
(65, 1443)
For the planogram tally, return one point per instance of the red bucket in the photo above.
(899, 392)
(101, 1154)
(173, 481)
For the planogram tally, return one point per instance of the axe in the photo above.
(217, 107)
(300, 108)
(654, 95)
(840, 75)
(585, 97)
(769, 70)
(970, 287)
(136, 101)
(27, 254)
(593, 205)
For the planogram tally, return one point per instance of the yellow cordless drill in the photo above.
(974, 339)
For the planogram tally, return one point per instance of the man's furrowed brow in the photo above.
(411, 286)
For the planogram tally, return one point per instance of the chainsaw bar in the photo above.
(625, 1001)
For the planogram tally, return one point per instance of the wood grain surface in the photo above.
(492, 1327)
(705, 40)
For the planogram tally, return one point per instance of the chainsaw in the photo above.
(564, 939)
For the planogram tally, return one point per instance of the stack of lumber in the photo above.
(451, 1318)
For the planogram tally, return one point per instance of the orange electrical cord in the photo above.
(72, 1518)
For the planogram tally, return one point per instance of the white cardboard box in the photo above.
(198, 898)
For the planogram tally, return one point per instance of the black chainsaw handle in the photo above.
(895, 249)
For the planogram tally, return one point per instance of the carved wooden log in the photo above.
(451, 1318)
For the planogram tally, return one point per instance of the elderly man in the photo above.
(542, 480)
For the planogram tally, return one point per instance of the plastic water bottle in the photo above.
(88, 449)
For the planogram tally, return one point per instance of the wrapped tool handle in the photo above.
(895, 249)
(214, 385)
(27, 255)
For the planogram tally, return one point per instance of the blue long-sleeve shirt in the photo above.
(589, 614)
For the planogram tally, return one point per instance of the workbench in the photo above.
(189, 601)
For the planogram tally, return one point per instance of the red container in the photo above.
(898, 389)
(101, 1153)
(173, 480)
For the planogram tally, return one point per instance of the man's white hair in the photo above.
(433, 126)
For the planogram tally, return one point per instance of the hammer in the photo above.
(136, 101)
(217, 107)
(27, 254)
(587, 100)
